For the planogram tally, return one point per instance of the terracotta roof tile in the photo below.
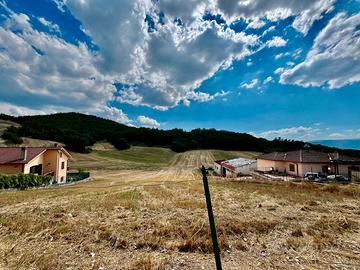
(306, 156)
(13, 154)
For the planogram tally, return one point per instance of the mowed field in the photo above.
(145, 209)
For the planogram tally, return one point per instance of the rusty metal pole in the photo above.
(211, 219)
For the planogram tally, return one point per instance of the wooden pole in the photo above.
(211, 219)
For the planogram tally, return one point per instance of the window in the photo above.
(325, 169)
(62, 179)
(60, 154)
(292, 167)
(62, 165)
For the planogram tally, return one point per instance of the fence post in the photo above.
(211, 219)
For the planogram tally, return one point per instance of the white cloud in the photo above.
(334, 57)
(268, 80)
(147, 122)
(15, 110)
(299, 132)
(114, 114)
(276, 42)
(164, 66)
(249, 85)
(279, 70)
(161, 69)
(204, 97)
(44, 72)
(306, 12)
(337, 135)
(256, 23)
(271, 28)
(290, 63)
(52, 26)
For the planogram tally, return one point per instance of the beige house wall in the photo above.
(36, 161)
(50, 160)
(11, 168)
(264, 165)
(62, 172)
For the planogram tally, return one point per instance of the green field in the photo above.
(147, 155)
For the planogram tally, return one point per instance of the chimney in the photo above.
(23, 153)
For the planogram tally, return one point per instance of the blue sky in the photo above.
(267, 67)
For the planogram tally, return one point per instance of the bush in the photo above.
(178, 146)
(120, 143)
(12, 136)
(23, 181)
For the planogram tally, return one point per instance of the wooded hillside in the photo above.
(78, 131)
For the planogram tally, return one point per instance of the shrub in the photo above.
(120, 143)
(178, 146)
(23, 181)
(11, 135)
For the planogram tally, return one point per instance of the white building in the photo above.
(234, 167)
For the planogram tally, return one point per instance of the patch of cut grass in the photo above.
(148, 155)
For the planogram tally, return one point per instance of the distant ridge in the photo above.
(80, 131)
(342, 144)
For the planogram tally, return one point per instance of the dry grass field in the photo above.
(149, 213)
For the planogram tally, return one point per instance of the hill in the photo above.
(78, 131)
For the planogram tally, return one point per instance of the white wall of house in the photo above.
(217, 168)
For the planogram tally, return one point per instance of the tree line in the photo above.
(79, 131)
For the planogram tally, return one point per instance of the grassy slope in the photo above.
(220, 154)
(148, 155)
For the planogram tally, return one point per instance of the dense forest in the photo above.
(79, 131)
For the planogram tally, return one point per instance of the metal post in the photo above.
(211, 219)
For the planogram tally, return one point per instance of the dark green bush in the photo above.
(23, 181)
(12, 135)
(120, 143)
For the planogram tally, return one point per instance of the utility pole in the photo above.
(211, 219)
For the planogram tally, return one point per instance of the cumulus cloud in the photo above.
(334, 58)
(114, 114)
(48, 70)
(161, 68)
(165, 65)
(276, 42)
(249, 85)
(145, 121)
(306, 12)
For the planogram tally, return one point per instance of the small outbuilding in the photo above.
(234, 167)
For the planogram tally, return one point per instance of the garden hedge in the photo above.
(23, 181)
